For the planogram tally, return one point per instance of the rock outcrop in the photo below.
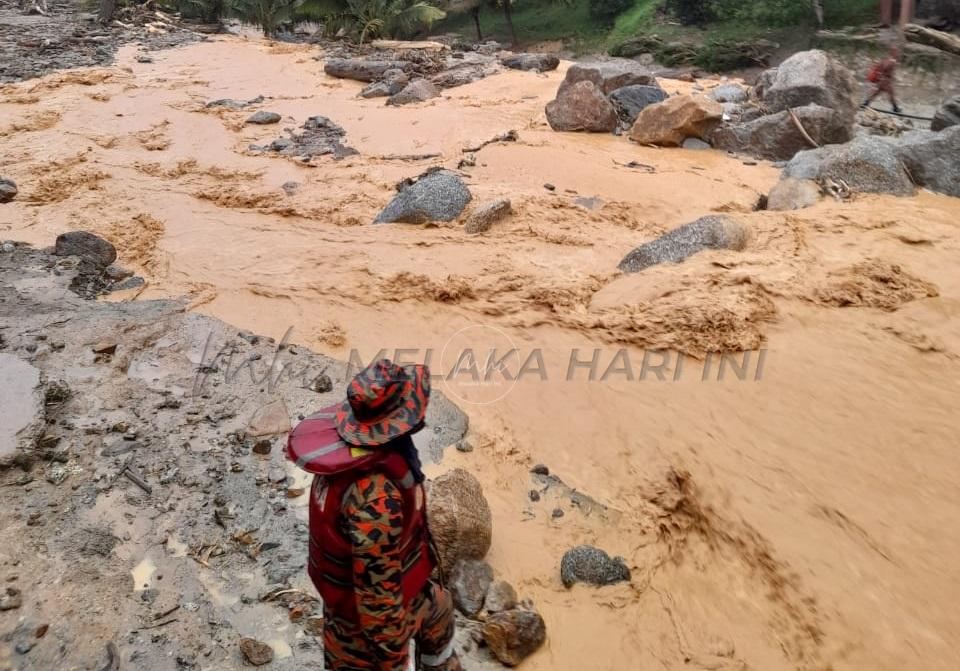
(459, 517)
(581, 106)
(535, 62)
(670, 122)
(437, 195)
(710, 232)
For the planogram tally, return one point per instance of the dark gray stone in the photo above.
(948, 114)
(776, 137)
(89, 247)
(932, 158)
(438, 195)
(8, 190)
(628, 101)
(362, 69)
(417, 91)
(262, 118)
(710, 232)
(867, 164)
(609, 74)
(593, 566)
(469, 584)
(535, 62)
(486, 215)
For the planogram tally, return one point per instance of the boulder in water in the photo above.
(867, 164)
(811, 77)
(793, 194)
(629, 101)
(437, 195)
(416, 91)
(670, 122)
(932, 158)
(513, 635)
(593, 566)
(262, 118)
(710, 232)
(581, 107)
(8, 190)
(459, 517)
(89, 247)
(776, 137)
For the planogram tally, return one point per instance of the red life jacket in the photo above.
(315, 446)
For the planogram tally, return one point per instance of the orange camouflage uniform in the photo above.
(372, 519)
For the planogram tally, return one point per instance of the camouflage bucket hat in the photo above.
(384, 401)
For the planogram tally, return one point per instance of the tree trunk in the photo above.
(507, 12)
(476, 21)
(107, 8)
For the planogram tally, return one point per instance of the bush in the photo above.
(692, 12)
(606, 11)
(765, 12)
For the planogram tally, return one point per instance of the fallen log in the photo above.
(932, 38)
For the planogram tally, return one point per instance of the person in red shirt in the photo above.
(881, 75)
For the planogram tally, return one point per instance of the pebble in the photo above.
(464, 446)
(8, 247)
(256, 652)
(540, 469)
(534, 495)
(549, 187)
(557, 513)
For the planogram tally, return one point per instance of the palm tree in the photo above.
(367, 19)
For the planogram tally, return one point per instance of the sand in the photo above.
(803, 520)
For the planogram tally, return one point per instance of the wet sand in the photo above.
(805, 520)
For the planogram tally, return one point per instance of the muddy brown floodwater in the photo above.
(803, 520)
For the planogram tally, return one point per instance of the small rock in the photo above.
(469, 584)
(549, 187)
(486, 215)
(514, 635)
(256, 652)
(464, 446)
(322, 384)
(313, 626)
(143, 58)
(117, 273)
(149, 595)
(535, 62)
(8, 247)
(534, 495)
(290, 188)
(557, 513)
(8, 190)
(593, 566)
(129, 283)
(581, 106)
(105, 347)
(263, 118)
(540, 469)
(695, 143)
(729, 93)
(263, 446)
(500, 597)
(89, 247)
(23, 647)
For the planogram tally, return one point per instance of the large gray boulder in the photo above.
(581, 106)
(361, 69)
(438, 195)
(867, 164)
(777, 138)
(812, 77)
(609, 74)
(593, 566)
(535, 62)
(932, 158)
(417, 91)
(8, 190)
(710, 232)
(948, 114)
(90, 248)
(629, 101)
